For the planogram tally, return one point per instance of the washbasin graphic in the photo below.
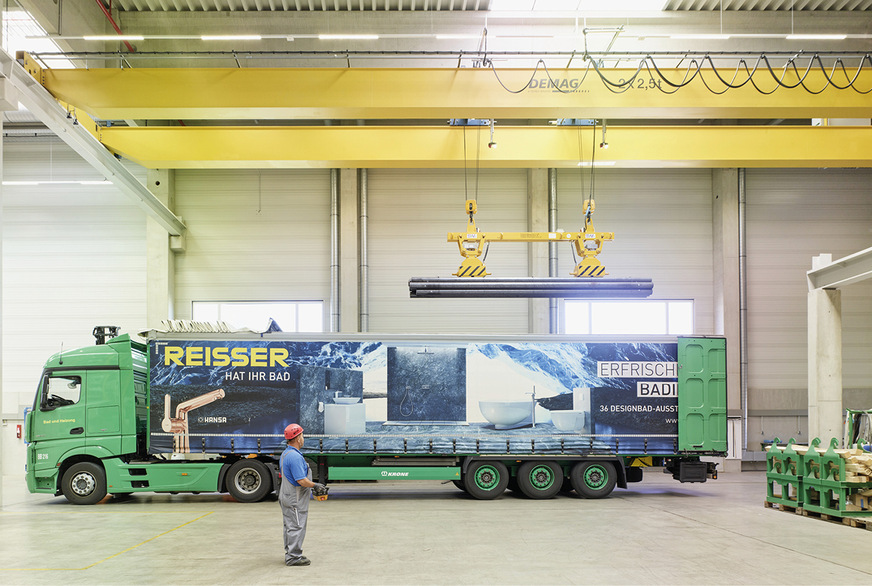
(507, 414)
(568, 420)
(346, 400)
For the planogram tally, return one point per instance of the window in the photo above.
(291, 316)
(60, 391)
(629, 317)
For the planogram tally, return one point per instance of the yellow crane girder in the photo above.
(419, 93)
(518, 146)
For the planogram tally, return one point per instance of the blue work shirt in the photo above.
(294, 466)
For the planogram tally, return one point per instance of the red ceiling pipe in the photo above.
(114, 25)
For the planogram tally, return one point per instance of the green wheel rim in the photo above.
(541, 477)
(487, 477)
(596, 477)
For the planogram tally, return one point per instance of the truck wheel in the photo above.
(249, 481)
(540, 480)
(459, 484)
(486, 480)
(593, 480)
(84, 483)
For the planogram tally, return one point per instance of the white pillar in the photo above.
(725, 250)
(348, 246)
(825, 364)
(726, 296)
(1, 311)
(160, 270)
(537, 255)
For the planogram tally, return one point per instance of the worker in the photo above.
(294, 495)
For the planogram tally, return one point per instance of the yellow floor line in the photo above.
(107, 558)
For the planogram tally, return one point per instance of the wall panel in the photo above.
(662, 220)
(792, 216)
(410, 214)
(253, 236)
(73, 257)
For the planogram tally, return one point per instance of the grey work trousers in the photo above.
(294, 501)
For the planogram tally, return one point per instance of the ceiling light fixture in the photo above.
(701, 37)
(456, 37)
(576, 6)
(816, 37)
(114, 38)
(348, 37)
(92, 182)
(230, 37)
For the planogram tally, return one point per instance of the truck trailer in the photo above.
(206, 412)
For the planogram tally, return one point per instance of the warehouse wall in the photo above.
(253, 236)
(73, 258)
(662, 220)
(410, 214)
(792, 216)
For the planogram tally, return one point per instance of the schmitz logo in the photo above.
(386, 473)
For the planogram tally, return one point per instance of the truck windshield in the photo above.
(59, 391)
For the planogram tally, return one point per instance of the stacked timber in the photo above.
(858, 463)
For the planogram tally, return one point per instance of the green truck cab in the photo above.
(88, 433)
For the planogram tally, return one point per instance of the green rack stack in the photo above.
(784, 480)
(825, 489)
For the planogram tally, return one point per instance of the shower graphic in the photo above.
(426, 385)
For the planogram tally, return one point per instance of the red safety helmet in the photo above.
(292, 431)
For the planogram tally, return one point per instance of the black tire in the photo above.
(540, 480)
(459, 484)
(84, 483)
(594, 480)
(249, 481)
(486, 479)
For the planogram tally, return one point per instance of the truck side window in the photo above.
(59, 391)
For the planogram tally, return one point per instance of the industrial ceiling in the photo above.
(291, 83)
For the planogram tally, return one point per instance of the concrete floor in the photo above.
(657, 532)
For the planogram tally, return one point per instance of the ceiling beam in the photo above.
(193, 147)
(845, 271)
(414, 93)
(38, 101)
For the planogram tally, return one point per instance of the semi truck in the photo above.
(205, 412)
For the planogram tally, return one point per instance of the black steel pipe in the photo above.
(530, 287)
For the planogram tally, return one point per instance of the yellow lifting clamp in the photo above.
(588, 245)
(472, 244)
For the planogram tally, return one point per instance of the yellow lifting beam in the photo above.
(588, 244)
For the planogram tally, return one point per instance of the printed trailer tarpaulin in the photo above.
(238, 395)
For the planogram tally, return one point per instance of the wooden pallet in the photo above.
(861, 522)
(782, 507)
